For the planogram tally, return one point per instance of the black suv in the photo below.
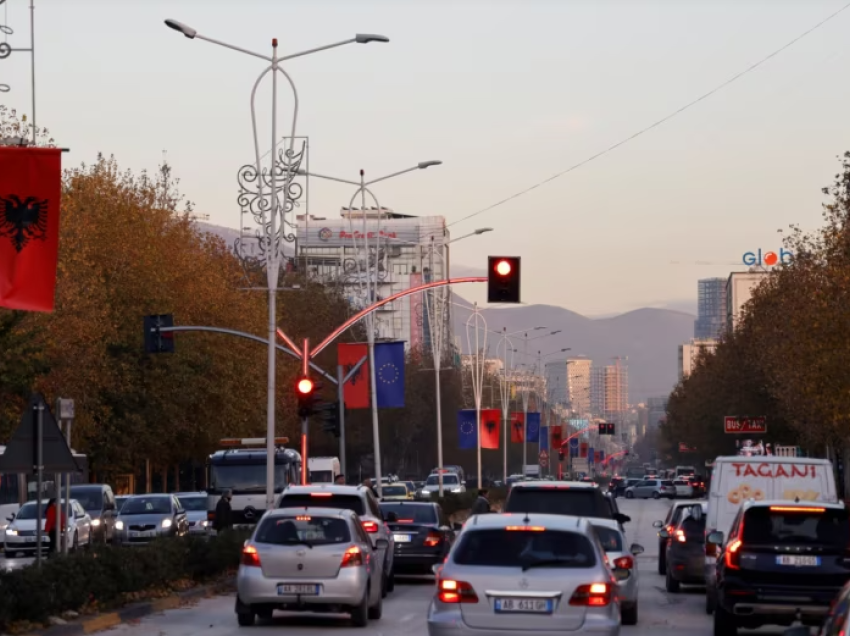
(782, 561)
(577, 498)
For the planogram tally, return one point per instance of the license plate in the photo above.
(298, 590)
(136, 534)
(788, 559)
(621, 575)
(524, 605)
(402, 538)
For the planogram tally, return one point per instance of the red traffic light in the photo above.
(305, 386)
(503, 268)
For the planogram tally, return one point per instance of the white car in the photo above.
(21, 533)
(623, 564)
(451, 483)
(684, 489)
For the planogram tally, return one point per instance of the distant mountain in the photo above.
(648, 337)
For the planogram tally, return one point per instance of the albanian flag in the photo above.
(517, 427)
(490, 428)
(30, 189)
(556, 437)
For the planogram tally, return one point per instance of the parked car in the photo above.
(655, 488)
(143, 518)
(684, 489)
(362, 501)
(310, 559)
(21, 534)
(674, 515)
(685, 548)
(99, 502)
(195, 505)
(421, 534)
(522, 574)
(623, 564)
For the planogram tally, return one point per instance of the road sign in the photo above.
(66, 409)
(736, 424)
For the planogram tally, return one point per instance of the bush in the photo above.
(106, 575)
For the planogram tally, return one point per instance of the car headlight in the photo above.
(95, 523)
(12, 532)
(119, 525)
(166, 523)
(455, 489)
(204, 523)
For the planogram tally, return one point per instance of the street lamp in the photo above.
(269, 219)
(363, 189)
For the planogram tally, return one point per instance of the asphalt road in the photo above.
(404, 610)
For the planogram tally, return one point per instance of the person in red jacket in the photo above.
(54, 509)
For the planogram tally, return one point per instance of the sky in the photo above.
(506, 93)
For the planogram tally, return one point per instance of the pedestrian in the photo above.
(223, 512)
(340, 480)
(367, 482)
(53, 510)
(482, 504)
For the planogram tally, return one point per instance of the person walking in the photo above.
(481, 505)
(53, 511)
(223, 512)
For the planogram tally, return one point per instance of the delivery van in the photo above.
(737, 479)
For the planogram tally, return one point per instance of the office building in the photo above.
(739, 290)
(690, 352)
(711, 308)
(609, 390)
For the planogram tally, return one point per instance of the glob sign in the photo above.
(767, 258)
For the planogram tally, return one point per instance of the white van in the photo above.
(738, 479)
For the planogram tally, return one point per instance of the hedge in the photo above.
(104, 576)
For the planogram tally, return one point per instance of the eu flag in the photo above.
(532, 425)
(467, 436)
(389, 374)
(544, 438)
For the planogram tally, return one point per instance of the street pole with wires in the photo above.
(478, 364)
(505, 392)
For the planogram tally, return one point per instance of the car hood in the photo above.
(196, 515)
(142, 520)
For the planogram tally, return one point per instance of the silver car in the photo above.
(143, 518)
(310, 559)
(524, 574)
(195, 505)
(623, 563)
(655, 488)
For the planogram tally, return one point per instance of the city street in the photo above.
(404, 612)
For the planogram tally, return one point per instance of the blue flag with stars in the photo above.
(544, 438)
(532, 426)
(389, 374)
(466, 429)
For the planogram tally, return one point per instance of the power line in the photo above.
(657, 123)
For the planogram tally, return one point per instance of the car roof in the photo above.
(611, 524)
(317, 511)
(550, 522)
(785, 503)
(334, 489)
(189, 494)
(552, 485)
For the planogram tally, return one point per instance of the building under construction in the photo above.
(711, 308)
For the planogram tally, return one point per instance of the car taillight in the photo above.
(733, 555)
(370, 526)
(451, 591)
(710, 549)
(250, 556)
(353, 557)
(624, 563)
(594, 595)
(432, 539)
(680, 536)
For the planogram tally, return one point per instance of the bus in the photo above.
(240, 467)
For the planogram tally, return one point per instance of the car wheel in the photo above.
(360, 613)
(630, 494)
(376, 610)
(673, 586)
(629, 614)
(656, 495)
(724, 623)
(246, 619)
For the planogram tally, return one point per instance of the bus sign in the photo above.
(737, 424)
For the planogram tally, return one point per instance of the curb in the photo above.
(135, 611)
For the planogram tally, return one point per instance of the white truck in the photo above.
(322, 470)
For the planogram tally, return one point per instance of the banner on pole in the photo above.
(356, 390)
(490, 429)
(544, 438)
(30, 192)
(490, 433)
(533, 427)
(556, 435)
(467, 437)
(591, 455)
(582, 449)
(517, 426)
(389, 374)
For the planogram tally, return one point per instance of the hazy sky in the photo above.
(506, 93)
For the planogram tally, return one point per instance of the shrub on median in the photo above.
(105, 575)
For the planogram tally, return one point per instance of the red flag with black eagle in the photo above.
(30, 190)
(356, 390)
(517, 427)
(490, 419)
(556, 437)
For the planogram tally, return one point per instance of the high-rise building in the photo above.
(578, 385)
(609, 390)
(711, 308)
(690, 352)
(657, 411)
(556, 382)
(739, 290)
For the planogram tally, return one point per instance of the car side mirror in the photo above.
(715, 537)
(621, 518)
(664, 534)
(457, 527)
(799, 630)
(392, 517)
(636, 549)
(10, 517)
(382, 544)
(657, 524)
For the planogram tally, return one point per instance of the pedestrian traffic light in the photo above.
(503, 279)
(156, 340)
(306, 392)
(330, 417)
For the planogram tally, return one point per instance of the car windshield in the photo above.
(797, 525)
(89, 498)
(245, 478)
(147, 506)
(28, 511)
(448, 480)
(193, 504)
(523, 548)
(610, 539)
(119, 502)
(411, 514)
(303, 529)
(394, 491)
(322, 500)
(581, 502)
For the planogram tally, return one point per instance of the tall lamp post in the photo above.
(525, 395)
(478, 364)
(543, 395)
(272, 234)
(371, 286)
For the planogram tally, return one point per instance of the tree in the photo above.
(22, 360)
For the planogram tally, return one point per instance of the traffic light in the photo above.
(606, 428)
(157, 341)
(503, 279)
(306, 391)
(560, 455)
(610, 428)
(330, 417)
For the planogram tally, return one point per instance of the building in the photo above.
(609, 390)
(739, 290)
(657, 407)
(407, 251)
(711, 308)
(578, 385)
(690, 352)
(556, 382)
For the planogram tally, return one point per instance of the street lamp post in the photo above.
(478, 364)
(270, 239)
(371, 286)
(543, 395)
